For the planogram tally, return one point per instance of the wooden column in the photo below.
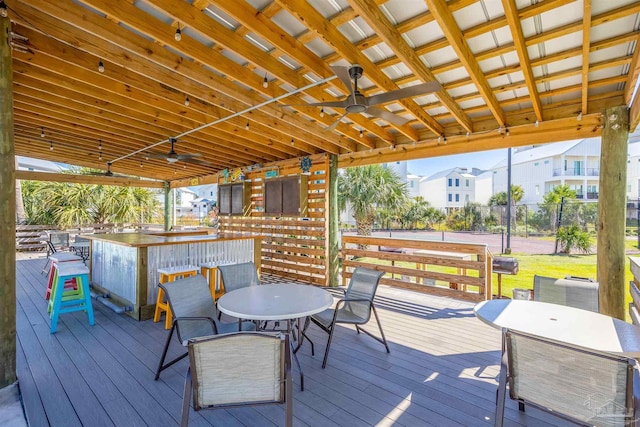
(7, 214)
(333, 225)
(168, 207)
(611, 211)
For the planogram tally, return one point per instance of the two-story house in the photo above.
(450, 189)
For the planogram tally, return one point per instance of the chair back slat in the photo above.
(572, 382)
(236, 276)
(255, 373)
(191, 297)
(578, 293)
(363, 285)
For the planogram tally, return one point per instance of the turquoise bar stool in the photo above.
(63, 301)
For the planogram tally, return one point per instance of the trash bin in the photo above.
(524, 294)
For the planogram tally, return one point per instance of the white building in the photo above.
(36, 165)
(451, 188)
(538, 169)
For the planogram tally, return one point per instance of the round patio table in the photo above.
(571, 325)
(277, 302)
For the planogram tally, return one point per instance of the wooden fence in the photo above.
(457, 270)
(293, 247)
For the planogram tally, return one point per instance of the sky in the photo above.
(480, 160)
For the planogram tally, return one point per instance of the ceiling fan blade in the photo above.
(332, 104)
(388, 116)
(157, 155)
(343, 75)
(333, 125)
(188, 156)
(406, 92)
(197, 162)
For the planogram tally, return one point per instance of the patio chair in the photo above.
(195, 315)
(355, 308)
(236, 276)
(576, 384)
(55, 242)
(571, 291)
(258, 373)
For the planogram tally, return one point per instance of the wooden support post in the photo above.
(333, 225)
(7, 214)
(611, 211)
(168, 207)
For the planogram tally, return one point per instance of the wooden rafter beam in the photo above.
(450, 28)
(586, 43)
(385, 30)
(86, 179)
(313, 20)
(511, 14)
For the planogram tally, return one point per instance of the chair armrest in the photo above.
(345, 300)
(198, 318)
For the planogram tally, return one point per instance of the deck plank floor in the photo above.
(441, 371)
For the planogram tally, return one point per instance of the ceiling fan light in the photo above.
(172, 158)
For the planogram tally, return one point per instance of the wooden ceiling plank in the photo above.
(86, 179)
(317, 23)
(292, 47)
(139, 20)
(393, 38)
(146, 51)
(586, 43)
(511, 14)
(633, 75)
(452, 32)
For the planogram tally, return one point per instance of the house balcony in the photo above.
(442, 369)
(577, 172)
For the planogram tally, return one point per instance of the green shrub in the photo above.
(572, 237)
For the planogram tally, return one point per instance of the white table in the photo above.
(561, 323)
(277, 302)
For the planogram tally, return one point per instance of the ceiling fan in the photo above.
(109, 173)
(172, 156)
(356, 102)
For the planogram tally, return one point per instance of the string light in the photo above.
(50, 145)
(99, 144)
(444, 138)
(537, 123)
(42, 133)
(292, 142)
(322, 112)
(265, 82)
(439, 138)
(100, 154)
(3, 9)
(178, 34)
(246, 127)
(361, 133)
(101, 66)
(140, 163)
(579, 116)
(506, 130)
(186, 101)
(468, 135)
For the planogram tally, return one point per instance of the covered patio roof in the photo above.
(512, 73)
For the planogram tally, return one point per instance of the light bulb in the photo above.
(265, 82)
(146, 157)
(100, 145)
(178, 35)
(292, 141)
(580, 116)
(322, 112)
(101, 67)
(3, 9)
(42, 133)
(186, 101)
(100, 155)
(50, 145)
(468, 135)
(361, 134)
(537, 123)
(140, 163)
(246, 126)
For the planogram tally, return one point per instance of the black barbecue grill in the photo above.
(504, 265)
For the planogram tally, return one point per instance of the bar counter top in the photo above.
(137, 240)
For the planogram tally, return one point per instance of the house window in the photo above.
(450, 197)
(467, 183)
(457, 182)
(546, 162)
(535, 164)
(412, 184)
(450, 181)
(457, 197)
(211, 193)
(466, 198)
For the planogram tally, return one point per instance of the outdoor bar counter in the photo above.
(125, 265)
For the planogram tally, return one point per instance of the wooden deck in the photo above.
(441, 371)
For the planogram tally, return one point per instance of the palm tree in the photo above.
(368, 188)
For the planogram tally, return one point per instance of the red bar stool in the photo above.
(56, 258)
(169, 274)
